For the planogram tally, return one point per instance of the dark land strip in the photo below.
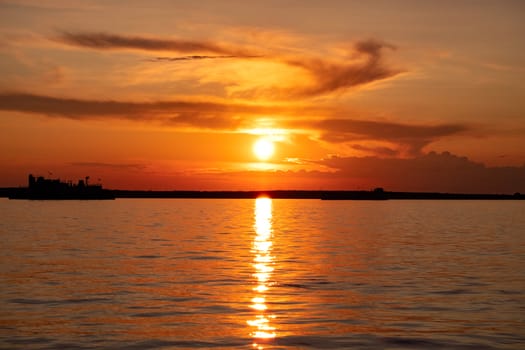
(377, 194)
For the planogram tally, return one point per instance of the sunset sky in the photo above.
(405, 95)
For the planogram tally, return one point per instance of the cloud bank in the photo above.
(442, 172)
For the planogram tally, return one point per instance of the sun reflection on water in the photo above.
(262, 261)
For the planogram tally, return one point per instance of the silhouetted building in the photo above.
(42, 188)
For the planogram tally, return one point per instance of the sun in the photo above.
(263, 148)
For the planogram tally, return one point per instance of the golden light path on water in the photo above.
(262, 263)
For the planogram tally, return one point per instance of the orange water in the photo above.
(262, 274)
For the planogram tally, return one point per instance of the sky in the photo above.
(167, 95)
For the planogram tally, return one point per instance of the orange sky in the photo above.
(405, 95)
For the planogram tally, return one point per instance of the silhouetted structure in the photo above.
(42, 188)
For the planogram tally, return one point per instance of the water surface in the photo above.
(268, 274)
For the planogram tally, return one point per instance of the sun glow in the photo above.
(263, 148)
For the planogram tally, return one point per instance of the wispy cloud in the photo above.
(410, 138)
(329, 76)
(348, 129)
(188, 58)
(198, 57)
(206, 115)
(364, 64)
(107, 41)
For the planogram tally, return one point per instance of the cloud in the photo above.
(207, 115)
(331, 76)
(378, 129)
(379, 151)
(408, 139)
(411, 138)
(442, 172)
(107, 41)
(364, 63)
(187, 58)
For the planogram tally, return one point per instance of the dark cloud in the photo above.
(378, 129)
(200, 114)
(330, 76)
(365, 65)
(412, 138)
(372, 47)
(195, 57)
(78, 109)
(378, 151)
(187, 58)
(443, 172)
(107, 41)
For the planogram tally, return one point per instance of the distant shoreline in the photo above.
(377, 194)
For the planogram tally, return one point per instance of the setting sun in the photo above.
(263, 149)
